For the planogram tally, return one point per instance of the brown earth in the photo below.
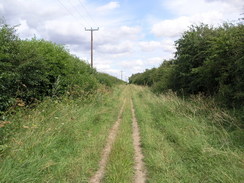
(140, 171)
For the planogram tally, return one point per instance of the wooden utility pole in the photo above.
(121, 75)
(91, 29)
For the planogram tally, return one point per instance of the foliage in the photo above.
(107, 80)
(8, 52)
(211, 61)
(208, 60)
(33, 69)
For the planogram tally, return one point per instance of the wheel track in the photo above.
(98, 176)
(140, 171)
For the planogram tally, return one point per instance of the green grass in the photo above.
(187, 141)
(182, 140)
(120, 166)
(59, 141)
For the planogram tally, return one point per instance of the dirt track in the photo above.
(140, 172)
(139, 168)
(97, 177)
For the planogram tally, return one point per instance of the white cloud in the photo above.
(168, 45)
(190, 12)
(189, 7)
(155, 60)
(175, 27)
(132, 63)
(123, 47)
(67, 32)
(117, 35)
(25, 31)
(132, 66)
(171, 28)
(103, 67)
(149, 45)
(63, 28)
(1, 8)
(108, 7)
(129, 30)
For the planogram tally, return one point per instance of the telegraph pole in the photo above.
(121, 75)
(91, 29)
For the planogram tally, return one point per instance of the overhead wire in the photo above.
(79, 13)
(82, 19)
(69, 12)
(87, 12)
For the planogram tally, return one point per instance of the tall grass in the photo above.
(188, 140)
(182, 140)
(58, 141)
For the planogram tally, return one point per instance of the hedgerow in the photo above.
(33, 69)
(208, 60)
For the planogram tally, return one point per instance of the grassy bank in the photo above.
(188, 141)
(59, 141)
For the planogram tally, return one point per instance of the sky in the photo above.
(133, 35)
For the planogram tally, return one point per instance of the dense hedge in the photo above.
(107, 80)
(33, 69)
(207, 60)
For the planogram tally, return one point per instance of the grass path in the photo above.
(129, 135)
(121, 159)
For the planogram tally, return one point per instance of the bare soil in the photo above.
(140, 171)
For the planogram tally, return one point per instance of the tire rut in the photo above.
(140, 171)
(98, 176)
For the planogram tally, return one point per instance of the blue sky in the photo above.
(134, 35)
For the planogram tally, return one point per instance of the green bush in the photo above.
(107, 80)
(9, 46)
(208, 60)
(33, 69)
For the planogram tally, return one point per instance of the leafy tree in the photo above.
(9, 46)
(208, 60)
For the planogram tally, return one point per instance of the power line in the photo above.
(87, 12)
(67, 9)
(77, 10)
(70, 13)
